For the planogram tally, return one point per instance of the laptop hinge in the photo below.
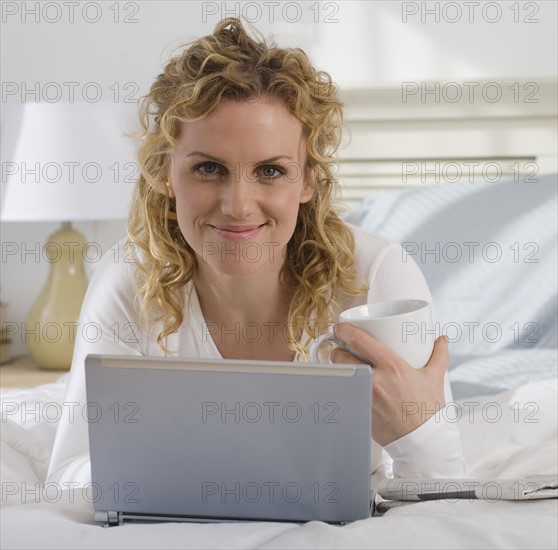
(107, 519)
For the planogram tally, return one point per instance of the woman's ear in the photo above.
(309, 185)
(170, 190)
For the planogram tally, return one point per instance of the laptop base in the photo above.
(112, 518)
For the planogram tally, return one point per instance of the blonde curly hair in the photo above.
(229, 64)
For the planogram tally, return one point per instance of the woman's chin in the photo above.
(232, 267)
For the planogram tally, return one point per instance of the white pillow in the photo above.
(488, 252)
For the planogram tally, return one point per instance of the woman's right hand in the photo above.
(403, 398)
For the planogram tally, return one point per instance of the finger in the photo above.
(367, 345)
(440, 358)
(342, 357)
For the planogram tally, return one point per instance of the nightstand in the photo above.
(22, 372)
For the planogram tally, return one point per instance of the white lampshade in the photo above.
(66, 162)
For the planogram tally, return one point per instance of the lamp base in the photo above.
(52, 323)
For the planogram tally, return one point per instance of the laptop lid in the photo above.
(201, 439)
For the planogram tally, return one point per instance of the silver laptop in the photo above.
(210, 440)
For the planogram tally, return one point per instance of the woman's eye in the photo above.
(207, 168)
(271, 171)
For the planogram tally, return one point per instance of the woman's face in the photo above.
(238, 178)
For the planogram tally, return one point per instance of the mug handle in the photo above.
(313, 350)
(314, 354)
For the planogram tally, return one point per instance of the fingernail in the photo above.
(446, 339)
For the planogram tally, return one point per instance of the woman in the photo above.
(238, 252)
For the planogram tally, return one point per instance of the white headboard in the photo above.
(428, 133)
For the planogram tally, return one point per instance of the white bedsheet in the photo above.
(521, 442)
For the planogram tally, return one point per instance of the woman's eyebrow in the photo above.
(201, 154)
(216, 159)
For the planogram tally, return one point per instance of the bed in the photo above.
(488, 250)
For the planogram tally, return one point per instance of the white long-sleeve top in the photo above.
(110, 324)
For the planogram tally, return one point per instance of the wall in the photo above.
(121, 47)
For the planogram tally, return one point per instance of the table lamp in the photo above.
(64, 162)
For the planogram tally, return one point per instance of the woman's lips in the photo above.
(237, 232)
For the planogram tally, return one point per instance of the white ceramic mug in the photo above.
(405, 326)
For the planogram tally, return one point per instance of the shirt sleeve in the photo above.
(106, 326)
(432, 450)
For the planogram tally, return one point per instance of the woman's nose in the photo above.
(238, 197)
